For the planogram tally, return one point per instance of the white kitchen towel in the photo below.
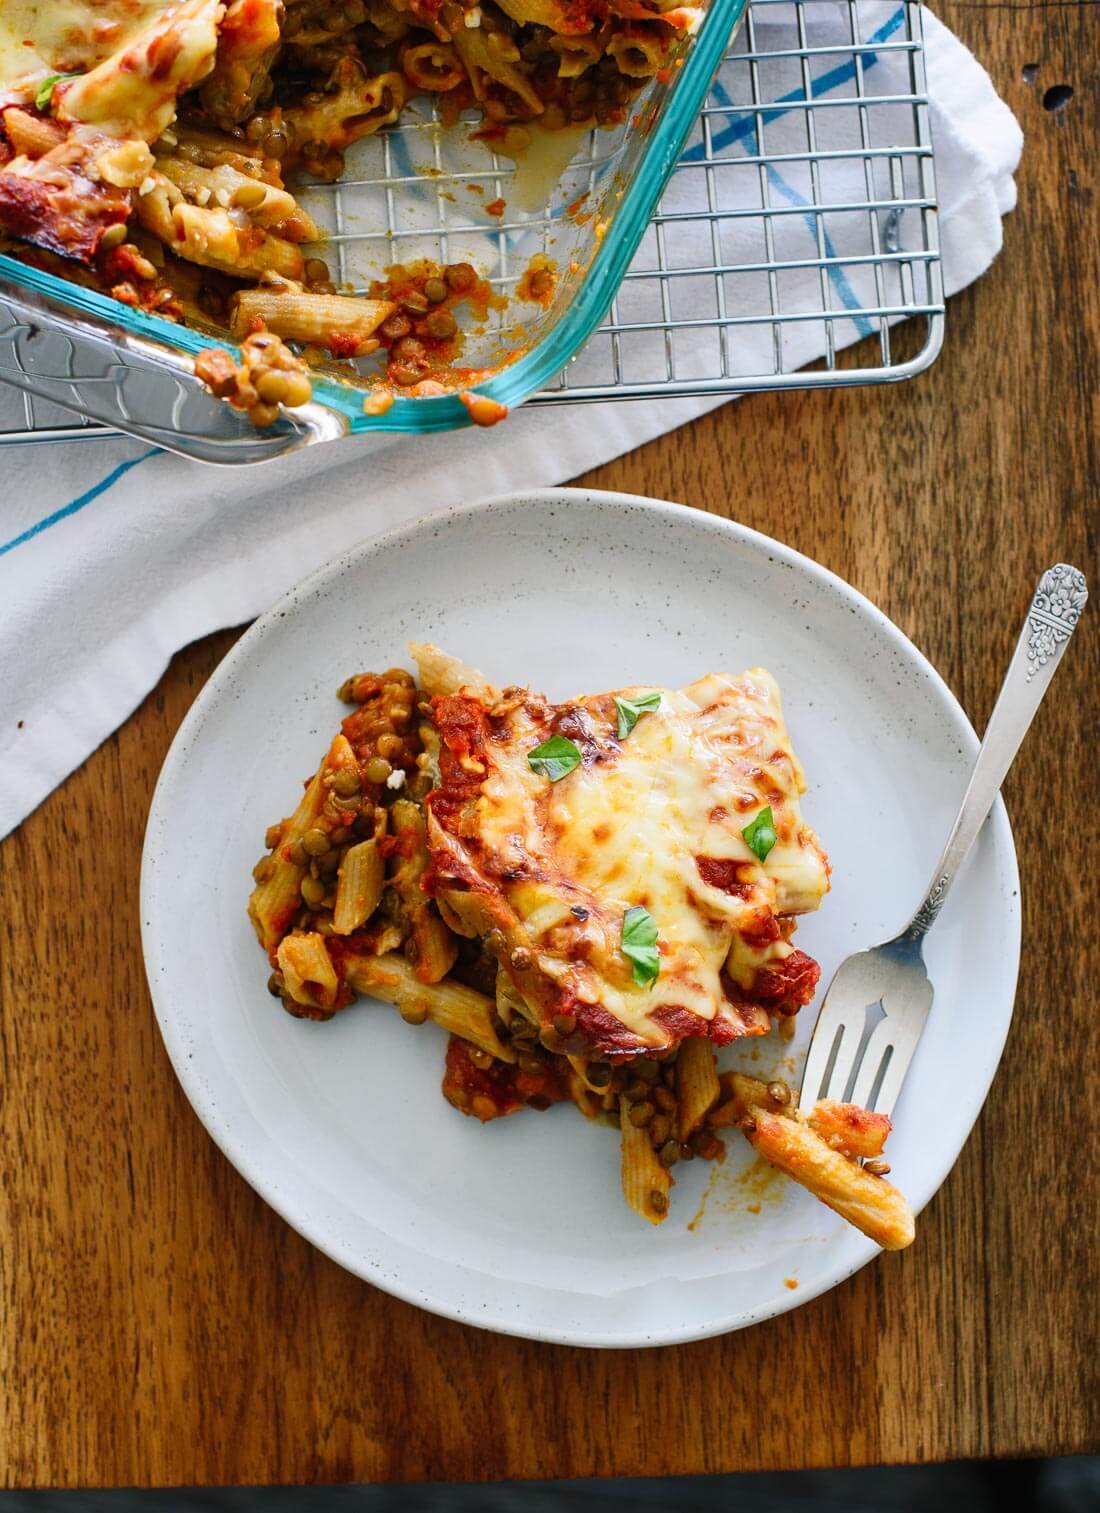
(113, 555)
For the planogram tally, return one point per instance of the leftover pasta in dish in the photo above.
(147, 148)
(591, 897)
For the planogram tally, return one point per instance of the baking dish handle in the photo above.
(85, 362)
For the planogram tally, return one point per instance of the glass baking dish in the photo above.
(419, 190)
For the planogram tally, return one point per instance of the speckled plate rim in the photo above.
(237, 1152)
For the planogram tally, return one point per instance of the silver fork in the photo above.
(878, 1001)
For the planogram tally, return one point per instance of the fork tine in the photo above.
(832, 1020)
(895, 1076)
(883, 1038)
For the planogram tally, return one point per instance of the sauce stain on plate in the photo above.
(743, 1191)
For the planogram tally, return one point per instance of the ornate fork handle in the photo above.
(1051, 620)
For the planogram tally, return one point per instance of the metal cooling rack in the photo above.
(756, 262)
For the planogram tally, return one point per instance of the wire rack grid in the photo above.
(800, 219)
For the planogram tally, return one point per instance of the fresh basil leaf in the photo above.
(44, 93)
(631, 711)
(760, 836)
(555, 757)
(640, 945)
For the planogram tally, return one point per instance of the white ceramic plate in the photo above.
(519, 1226)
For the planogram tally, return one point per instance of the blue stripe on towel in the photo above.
(837, 277)
(742, 127)
(74, 505)
(741, 118)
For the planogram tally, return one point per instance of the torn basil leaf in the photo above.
(760, 836)
(555, 757)
(640, 945)
(631, 710)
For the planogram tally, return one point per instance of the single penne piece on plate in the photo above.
(870, 1203)
(432, 947)
(317, 318)
(276, 899)
(359, 885)
(793, 1144)
(442, 674)
(697, 1085)
(277, 896)
(308, 971)
(646, 1183)
(460, 1010)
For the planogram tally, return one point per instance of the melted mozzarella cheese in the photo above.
(630, 835)
(626, 828)
(133, 58)
(134, 92)
(68, 36)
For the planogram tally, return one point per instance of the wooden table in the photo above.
(160, 1325)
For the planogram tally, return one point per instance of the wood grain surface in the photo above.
(159, 1325)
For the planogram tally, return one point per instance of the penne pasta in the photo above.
(514, 1014)
(549, 13)
(206, 145)
(696, 1085)
(208, 236)
(432, 66)
(361, 103)
(318, 318)
(275, 900)
(431, 948)
(227, 187)
(849, 1129)
(308, 971)
(638, 52)
(870, 1203)
(794, 1145)
(277, 897)
(359, 886)
(576, 55)
(31, 135)
(441, 673)
(454, 1007)
(646, 1183)
(494, 56)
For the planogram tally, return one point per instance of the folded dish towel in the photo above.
(113, 555)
